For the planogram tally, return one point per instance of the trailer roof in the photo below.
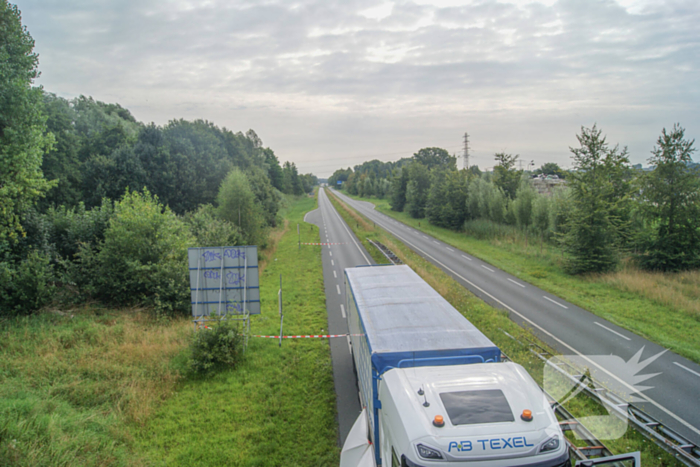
(403, 315)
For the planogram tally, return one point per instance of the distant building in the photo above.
(546, 184)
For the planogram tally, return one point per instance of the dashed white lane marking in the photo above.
(335, 274)
(425, 236)
(687, 369)
(449, 249)
(613, 331)
(466, 257)
(556, 303)
(330, 253)
(337, 288)
(350, 234)
(488, 269)
(516, 283)
(329, 247)
(437, 243)
(332, 263)
(342, 310)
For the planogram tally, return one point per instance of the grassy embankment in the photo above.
(495, 324)
(664, 308)
(110, 387)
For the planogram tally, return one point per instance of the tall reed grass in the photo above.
(677, 290)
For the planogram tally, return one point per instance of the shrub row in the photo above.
(131, 252)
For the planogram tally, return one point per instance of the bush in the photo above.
(210, 230)
(72, 227)
(217, 347)
(28, 285)
(143, 259)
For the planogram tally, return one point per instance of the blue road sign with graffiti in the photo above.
(224, 280)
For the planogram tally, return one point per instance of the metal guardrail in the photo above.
(386, 252)
(666, 438)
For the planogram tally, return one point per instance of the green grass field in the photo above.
(669, 318)
(497, 326)
(102, 387)
(278, 407)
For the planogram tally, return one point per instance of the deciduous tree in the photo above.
(505, 176)
(23, 136)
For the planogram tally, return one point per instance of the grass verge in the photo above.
(497, 326)
(102, 387)
(278, 406)
(658, 307)
(72, 385)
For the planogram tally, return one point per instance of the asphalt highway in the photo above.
(674, 394)
(343, 251)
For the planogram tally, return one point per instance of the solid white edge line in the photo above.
(338, 288)
(352, 236)
(342, 310)
(516, 283)
(487, 268)
(687, 369)
(555, 302)
(611, 330)
(552, 336)
(466, 257)
(335, 274)
(349, 345)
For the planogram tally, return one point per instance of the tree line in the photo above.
(605, 211)
(94, 204)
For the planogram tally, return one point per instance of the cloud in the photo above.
(310, 75)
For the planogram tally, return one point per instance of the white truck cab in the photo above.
(482, 414)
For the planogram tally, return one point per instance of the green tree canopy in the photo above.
(237, 205)
(417, 190)
(505, 176)
(399, 183)
(23, 137)
(435, 157)
(599, 191)
(447, 198)
(671, 205)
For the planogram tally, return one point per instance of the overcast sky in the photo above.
(330, 83)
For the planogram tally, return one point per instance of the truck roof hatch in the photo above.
(477, 406)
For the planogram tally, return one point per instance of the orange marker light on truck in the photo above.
(439, 421)
(526, 415)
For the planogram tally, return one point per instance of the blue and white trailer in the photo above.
(432, 387)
